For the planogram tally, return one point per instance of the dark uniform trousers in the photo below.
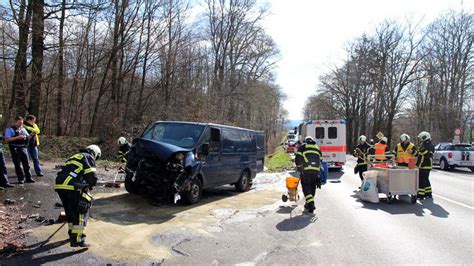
(3, 170)
(20, 158)
(76, 220)
(309, 182)
(425, 185)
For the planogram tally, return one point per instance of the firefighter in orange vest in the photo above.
(405, 150)
(381, 149)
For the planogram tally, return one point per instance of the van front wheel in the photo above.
(194, 194)
(244, 183)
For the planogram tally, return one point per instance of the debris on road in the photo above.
(62, 218)
(38, 204)
(33, 216)
(12, 235)
(9, 201)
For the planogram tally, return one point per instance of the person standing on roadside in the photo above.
(33, 129)
(17, 138)
(4, 183)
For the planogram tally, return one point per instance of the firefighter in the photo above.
(381, 149)
(73, 184)
(405, 150)
(372, 147)
(124, 149)
(308, 161)
(424, 163)
(361, 152)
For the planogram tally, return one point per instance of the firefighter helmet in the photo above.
(384, 139)
(122, 141)
(362, 139)
(424, 136)
(404, 137)
(308, 139)
(95, 151)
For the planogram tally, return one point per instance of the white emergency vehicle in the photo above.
(330, 135)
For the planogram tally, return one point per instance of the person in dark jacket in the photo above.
(424, 162)
(124, 149)
(4, 183)
(17, 138)
(73, 184)
(361, 151)
(308, 163)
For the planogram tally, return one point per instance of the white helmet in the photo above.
(384, 139)
(308, 139)
(95, 151)
(362, 138)
(424, 136)
(404, 137)
(122, 141)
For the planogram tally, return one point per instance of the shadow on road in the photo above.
(33, 254)
(295, 223)
(404, 206)
(460, 170)
(286, 209)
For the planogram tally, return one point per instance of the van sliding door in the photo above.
(211, 168)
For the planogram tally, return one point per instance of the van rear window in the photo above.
(320, 133)
(332, 132)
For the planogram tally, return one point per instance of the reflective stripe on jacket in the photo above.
(78, 170)
(425, 156)
(308, 157)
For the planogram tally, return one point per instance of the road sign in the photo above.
(457, 131)
(379, 135)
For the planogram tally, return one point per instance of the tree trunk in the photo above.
(37, 48)
(59, 99)
(18, 95)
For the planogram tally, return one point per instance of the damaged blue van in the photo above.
(181, 159)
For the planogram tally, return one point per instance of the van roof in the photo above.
(208, 124)
(338, 121)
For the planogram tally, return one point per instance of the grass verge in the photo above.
(279, 160)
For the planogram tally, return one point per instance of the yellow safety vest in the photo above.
(403, 156)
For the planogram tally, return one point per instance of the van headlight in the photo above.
(179, 156)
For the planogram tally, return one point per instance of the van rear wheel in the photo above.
(244, 183)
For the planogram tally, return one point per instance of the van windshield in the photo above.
(182, 135)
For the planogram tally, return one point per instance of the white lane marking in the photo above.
(453, 201)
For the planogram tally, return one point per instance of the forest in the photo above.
(108, 68)
(403, 78)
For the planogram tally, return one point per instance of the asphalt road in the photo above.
(257, 228)
(350, 231)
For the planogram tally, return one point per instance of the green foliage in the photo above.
(279, 161)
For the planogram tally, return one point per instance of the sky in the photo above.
(312, 35)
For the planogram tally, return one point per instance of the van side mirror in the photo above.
(205, 149)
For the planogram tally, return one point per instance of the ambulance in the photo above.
(330, 135)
